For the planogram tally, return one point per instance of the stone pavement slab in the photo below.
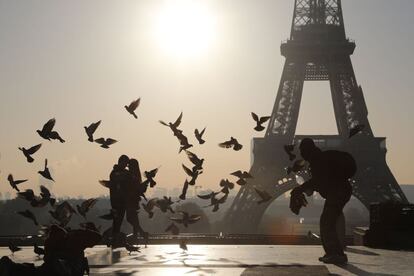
(237, 260)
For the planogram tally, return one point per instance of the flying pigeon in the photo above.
(46, 173)
(132, 107)
(259, 121)
(90, 130)
(29, 152)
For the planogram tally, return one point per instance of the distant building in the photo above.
(159, 192)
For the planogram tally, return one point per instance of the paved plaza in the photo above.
(236, 260)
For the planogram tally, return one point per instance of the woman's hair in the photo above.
(133, 166)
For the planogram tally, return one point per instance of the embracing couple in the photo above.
(126, 189)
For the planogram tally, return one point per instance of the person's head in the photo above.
(133, 166)
(307, 147)
(123, 161)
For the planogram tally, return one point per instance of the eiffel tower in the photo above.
(317, 50)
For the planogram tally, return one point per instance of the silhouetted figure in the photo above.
(135, 189)
(330, 172)
(63, 255)
(118, 188)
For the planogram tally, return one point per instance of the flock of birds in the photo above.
(62, 211)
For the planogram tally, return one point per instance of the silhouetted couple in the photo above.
(330, 172)
(126, 189)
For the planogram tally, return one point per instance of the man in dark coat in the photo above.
(330, 172)
(119, 178)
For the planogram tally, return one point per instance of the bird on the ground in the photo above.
(29, 152)
(105, 143)
(149, 207)
(85, 206)
(13, 248)
(46, 173)
(183, 245)
(264, 196)
(14, 183)
(259, 121)
(28, 214)
(297, 166)
(90, 130)
(355, 130)
(199, 135)
(226, 185)
(242, 175)
(289, 149)
(38, 250)
(198, 162)
(186, 218)
(131, 248)
(150, 177)
(232, 143)
(132, 107)
(173, 229)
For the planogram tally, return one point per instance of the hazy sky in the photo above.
(82, 61)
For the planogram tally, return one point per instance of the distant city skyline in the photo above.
(81, 62)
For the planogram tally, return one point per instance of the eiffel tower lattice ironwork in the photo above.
(317, 50)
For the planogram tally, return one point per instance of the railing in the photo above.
(198, 238)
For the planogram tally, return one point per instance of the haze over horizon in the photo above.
(81, 62)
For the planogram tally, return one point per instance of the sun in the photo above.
(184, 28)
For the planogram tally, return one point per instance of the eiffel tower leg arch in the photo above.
(317, 50)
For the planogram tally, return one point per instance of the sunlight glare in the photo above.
(184, 28)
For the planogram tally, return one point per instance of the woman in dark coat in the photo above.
(135, 189)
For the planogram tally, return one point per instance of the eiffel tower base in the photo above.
(375, 180)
